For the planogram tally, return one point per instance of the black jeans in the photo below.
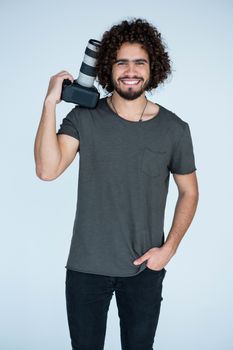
(138, 301)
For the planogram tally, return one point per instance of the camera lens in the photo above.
(87, 72)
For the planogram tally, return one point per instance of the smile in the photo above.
(130, 81)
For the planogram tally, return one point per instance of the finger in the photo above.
(63, 72)
(66, 76)
(142, 258)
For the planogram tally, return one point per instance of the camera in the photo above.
(82, 91)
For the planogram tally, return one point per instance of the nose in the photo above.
(130, 68)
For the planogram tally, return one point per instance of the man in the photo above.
(128, 147)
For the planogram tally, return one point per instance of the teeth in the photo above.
(130, 82)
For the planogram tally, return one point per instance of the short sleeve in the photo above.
(69, 125)
(183, 159)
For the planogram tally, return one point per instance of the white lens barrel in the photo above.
(87, 72)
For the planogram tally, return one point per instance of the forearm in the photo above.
(46, 148)
(184, 212)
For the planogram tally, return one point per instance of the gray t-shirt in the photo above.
(124, 170)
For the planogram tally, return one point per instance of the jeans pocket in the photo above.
(156, 271)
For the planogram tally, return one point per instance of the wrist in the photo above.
(48, 101)
(169, 248)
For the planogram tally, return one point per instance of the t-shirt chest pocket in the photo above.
(153, 162)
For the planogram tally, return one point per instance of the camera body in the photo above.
(78, 94)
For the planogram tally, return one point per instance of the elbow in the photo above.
(44, 176)
(192, 194)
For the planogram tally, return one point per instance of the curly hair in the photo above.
(134, 31)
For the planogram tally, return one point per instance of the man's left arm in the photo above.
(185, 209)
(184, 212)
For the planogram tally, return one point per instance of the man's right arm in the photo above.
(53, 153)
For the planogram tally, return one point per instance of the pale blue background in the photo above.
(39, 39)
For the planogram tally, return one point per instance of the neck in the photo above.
(131, 108)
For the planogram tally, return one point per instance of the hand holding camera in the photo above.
(56, 84)
(80, 91)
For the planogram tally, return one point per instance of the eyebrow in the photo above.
(137, 60)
